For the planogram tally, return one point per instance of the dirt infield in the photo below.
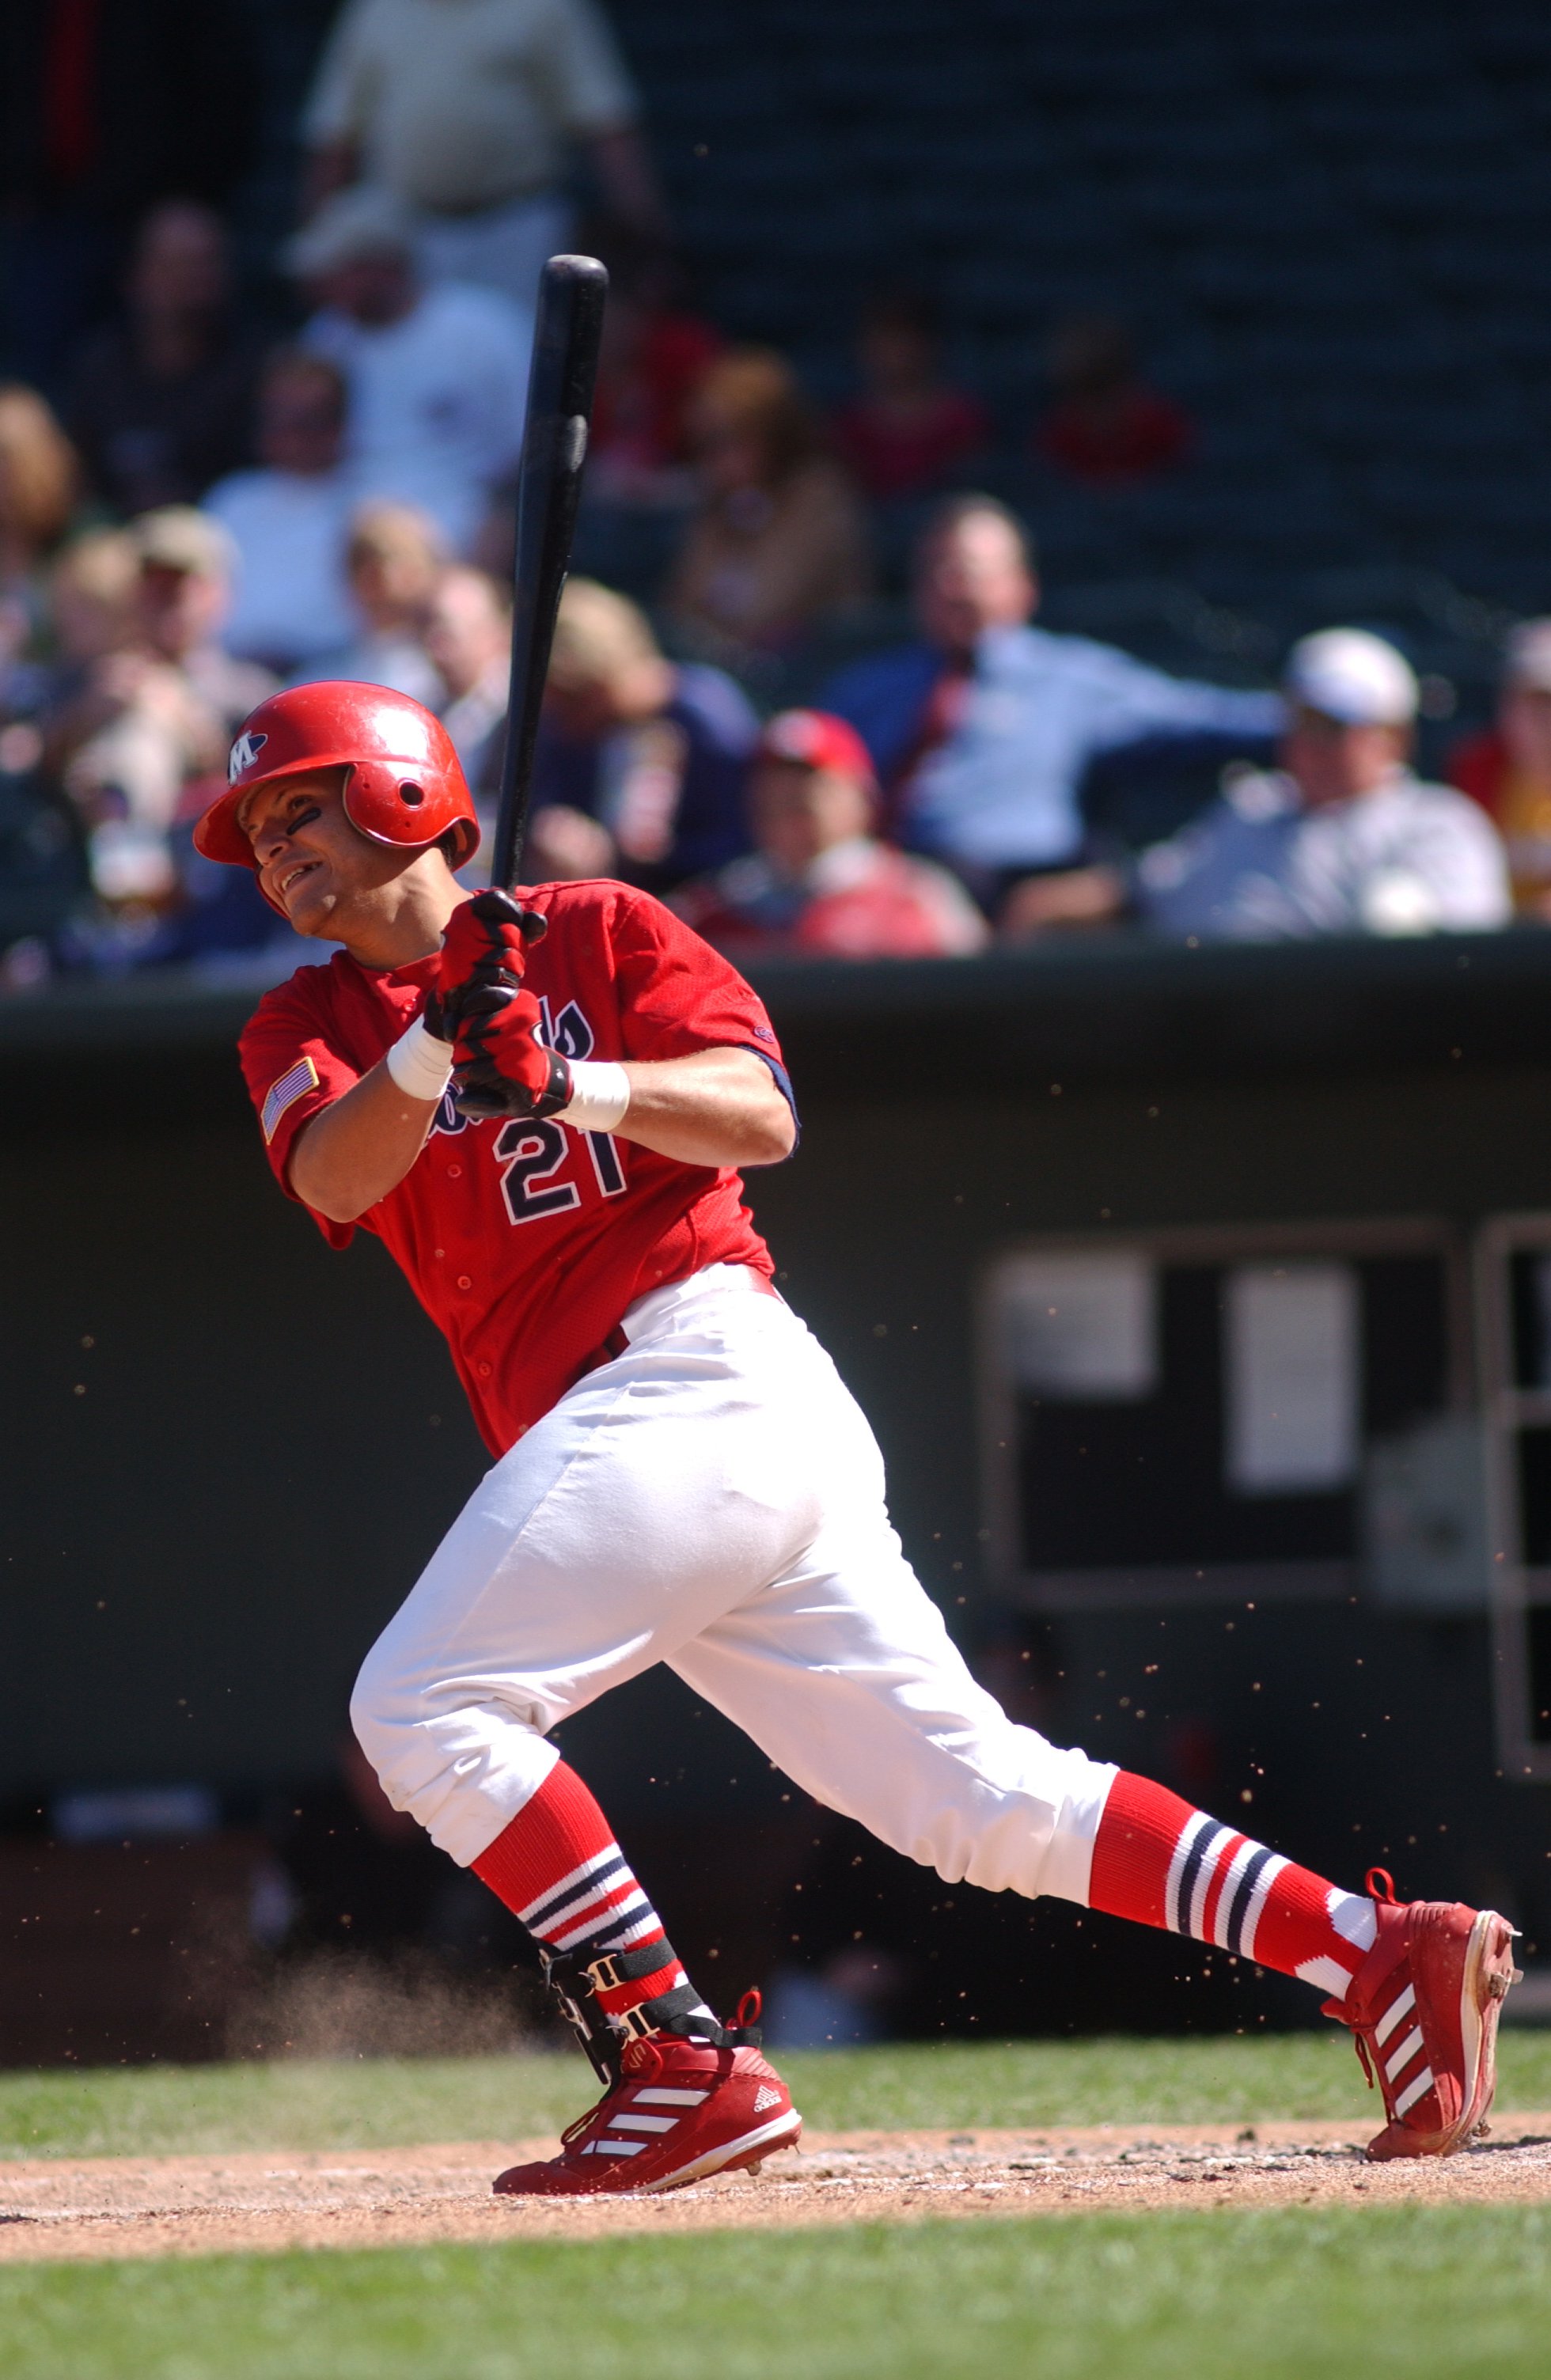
(267, 2201)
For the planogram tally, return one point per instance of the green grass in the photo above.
(378, 2102)
(1400, 2293)
(1410, 2292)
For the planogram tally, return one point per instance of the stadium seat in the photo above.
(1327, 225)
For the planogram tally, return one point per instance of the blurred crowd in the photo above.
(200, 501)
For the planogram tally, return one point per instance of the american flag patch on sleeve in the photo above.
(302, 1076)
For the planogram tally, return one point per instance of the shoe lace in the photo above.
(1358, 2043)
(1361, 2028)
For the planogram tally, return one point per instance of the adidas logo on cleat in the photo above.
(765, 2097)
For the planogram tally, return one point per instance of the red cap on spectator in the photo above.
(817, 739)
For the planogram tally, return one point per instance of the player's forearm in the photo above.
(356, 1151)
(718, 1107)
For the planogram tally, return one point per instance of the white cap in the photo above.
(1348, 675)
(361, 221)
(1529, 655)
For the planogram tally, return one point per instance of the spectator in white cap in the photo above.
(1342, 839)
(436, 377)
(1507, 770)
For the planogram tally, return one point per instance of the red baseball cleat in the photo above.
(1425, 2005)
(680, 2109)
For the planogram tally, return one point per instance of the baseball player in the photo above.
(541, 1105)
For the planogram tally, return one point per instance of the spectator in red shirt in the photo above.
(1508, 768)
(908, 430)
(820, 884)
(656, 353)
(641, 486)
(1107, 427)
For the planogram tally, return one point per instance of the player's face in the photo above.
(313, 862)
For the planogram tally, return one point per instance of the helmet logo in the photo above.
(245, 751)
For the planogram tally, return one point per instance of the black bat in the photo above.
(569, 329)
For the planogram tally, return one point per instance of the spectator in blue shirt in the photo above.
(642, 762)
(984, 732)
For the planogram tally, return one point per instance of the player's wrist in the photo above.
(420, 1064)
(599, 1095)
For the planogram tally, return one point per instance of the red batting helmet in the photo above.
(404, 782)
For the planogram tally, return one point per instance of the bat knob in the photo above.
(584, 269)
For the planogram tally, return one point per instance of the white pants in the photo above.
(713, 1499)
(501, 247)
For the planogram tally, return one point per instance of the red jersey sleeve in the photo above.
(678, 994)
(293, 1071)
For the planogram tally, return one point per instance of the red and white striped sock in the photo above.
(558, 1868)
(1160, 1862)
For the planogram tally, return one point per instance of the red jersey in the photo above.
(525, 1241)
(861, 900)
(1132, 439)
(638, 413)
(891, 459)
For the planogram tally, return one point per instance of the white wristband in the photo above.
(420, 1064)
(599, 1095)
